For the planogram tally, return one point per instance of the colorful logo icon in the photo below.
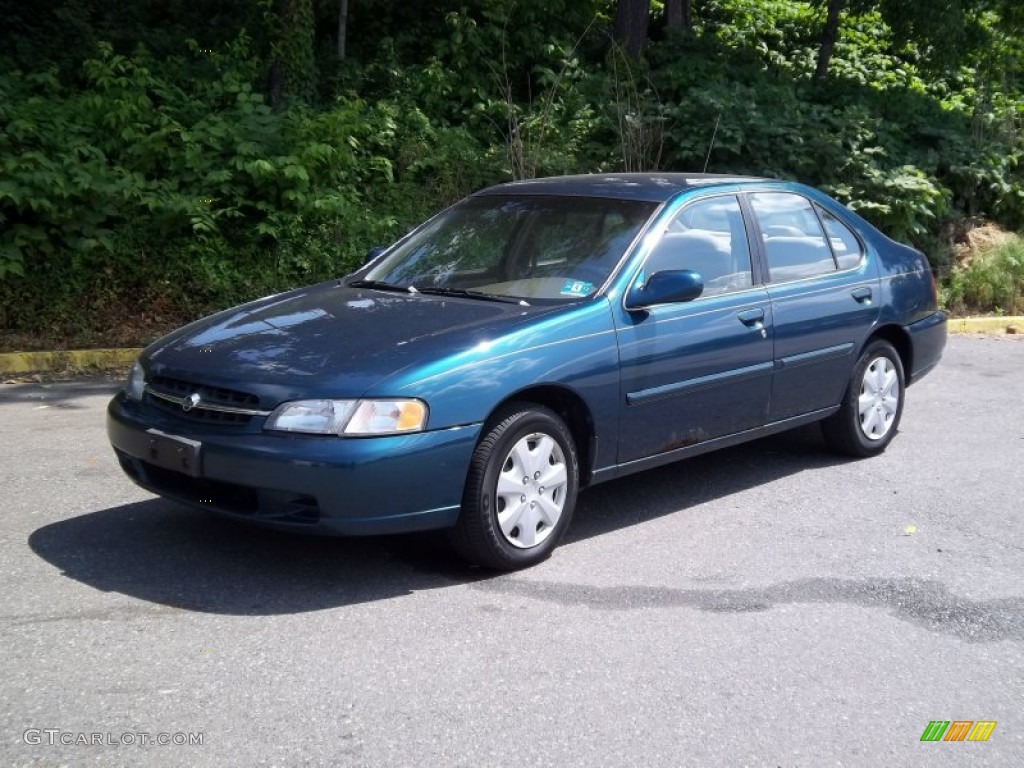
(958, 730)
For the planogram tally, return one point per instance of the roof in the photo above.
(651, 187)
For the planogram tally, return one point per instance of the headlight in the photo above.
(383, 417)
(136, 382)
(349, 417)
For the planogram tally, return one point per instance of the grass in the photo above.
(991, 282)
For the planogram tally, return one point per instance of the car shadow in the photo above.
(686, 484)
(165, 553)
(170, 555)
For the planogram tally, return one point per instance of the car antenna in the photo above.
(711, 146)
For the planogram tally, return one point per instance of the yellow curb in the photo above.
(987, 324)
(72, 359)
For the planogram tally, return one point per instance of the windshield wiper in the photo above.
(470, 294)
(379, 285)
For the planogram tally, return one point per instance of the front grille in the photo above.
(211, 398)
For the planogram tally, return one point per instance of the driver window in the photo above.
(707, 237)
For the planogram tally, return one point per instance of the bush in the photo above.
(138, 190)
(135, 192)
(993, 281)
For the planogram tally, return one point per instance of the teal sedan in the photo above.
(534, 339)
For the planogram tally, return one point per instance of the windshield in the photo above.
(520, 247)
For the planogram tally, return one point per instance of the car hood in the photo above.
(329, 339)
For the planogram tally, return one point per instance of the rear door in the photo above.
(702, 369)
(824, 300)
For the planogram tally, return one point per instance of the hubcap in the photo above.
(531, 490)
(879, 398)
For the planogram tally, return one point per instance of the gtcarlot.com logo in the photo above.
(51, 737)
(958, 730)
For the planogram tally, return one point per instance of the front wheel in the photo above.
(869, 415)
(520, 491)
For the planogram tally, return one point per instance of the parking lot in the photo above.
(770, 604)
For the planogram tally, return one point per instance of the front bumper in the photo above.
(348, 486)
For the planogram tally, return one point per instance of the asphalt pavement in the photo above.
(768, 605)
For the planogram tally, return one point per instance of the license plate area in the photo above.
(178, 454)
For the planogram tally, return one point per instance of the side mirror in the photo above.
(373, 253)
(672, 286)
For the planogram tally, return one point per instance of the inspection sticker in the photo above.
(576, 288)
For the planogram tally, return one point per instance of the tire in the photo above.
(520, 491)
(869, 416)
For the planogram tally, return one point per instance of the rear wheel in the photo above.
(521, 490)
(870, 413)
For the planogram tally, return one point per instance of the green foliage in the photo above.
(193, 196)
(148, 179)
(911, 151)
(991, 282)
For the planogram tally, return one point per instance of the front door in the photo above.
(702, 369)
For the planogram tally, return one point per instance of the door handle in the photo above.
(863, 295)
(753, 319)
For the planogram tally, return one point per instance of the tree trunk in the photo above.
(293, 65)
(829, 38)
(678, 14)
(276, 86)
(631, 18)
(342, 28)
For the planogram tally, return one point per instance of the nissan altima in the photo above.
(534, 339)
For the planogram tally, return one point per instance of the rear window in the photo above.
(794, 241)
(845, 244)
